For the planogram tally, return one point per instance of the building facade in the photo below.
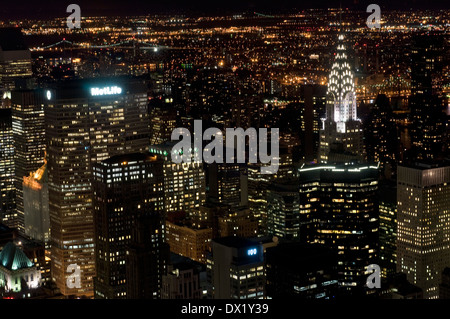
(236, 269)
(87, 121)
(28, 124)
(343, 216)
(423, 219)
(125, 187)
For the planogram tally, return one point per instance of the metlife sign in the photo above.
(107, 90)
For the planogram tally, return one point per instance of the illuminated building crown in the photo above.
(341, 88)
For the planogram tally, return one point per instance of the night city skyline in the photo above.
(253, 151)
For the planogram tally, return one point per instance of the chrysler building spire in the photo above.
(341, 88)
(341, 133)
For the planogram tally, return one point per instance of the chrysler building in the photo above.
(341, 132)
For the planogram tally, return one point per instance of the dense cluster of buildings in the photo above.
(87, 175)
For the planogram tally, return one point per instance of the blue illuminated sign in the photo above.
(252, 252)
(108, 90)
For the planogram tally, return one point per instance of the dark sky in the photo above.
(57, 8)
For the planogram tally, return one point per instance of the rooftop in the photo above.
(235, 242)
(13, 258)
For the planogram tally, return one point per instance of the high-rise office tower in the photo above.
(162, 116)
(314, 104)
(35, 198)
(125, 187)
(283, 210)
(87, 121)
(228, 183)
(15, 59)
(381, 136)
(427, 53)
(427, 128)
(428, 121)
(28, 125)
(147, 257)
(344, 212)
(257, 194)
(388, 229)
(341, 133)
(7, 194)
(184, 183)
(423, 221)
(236, 269)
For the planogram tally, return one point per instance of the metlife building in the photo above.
(87, 121)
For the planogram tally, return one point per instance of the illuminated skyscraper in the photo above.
(228, 183)
(162, 118)
(283, 210)
(341, 133)
(423, 217)
(184, 183)
(388, 229)
(28, 125)
(125, 187)
(257, 194)
(35, 198)
(87, 121)
(7, 194)
(343, 208)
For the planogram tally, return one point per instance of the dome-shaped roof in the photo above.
(14, 258)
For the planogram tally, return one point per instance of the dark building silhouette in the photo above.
(296, 270)
(444, 286)
(147, 257)
(128, 202)
(426, 104)
(185, 279)
(398, 287)
(381, 136)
